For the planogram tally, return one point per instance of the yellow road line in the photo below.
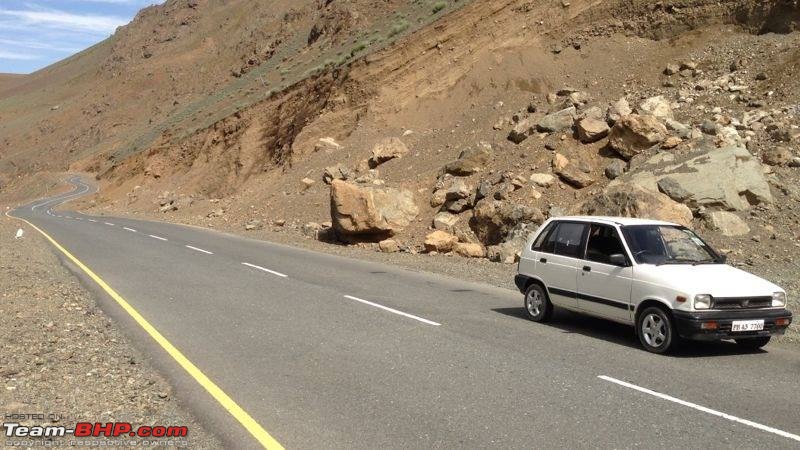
(219, 395)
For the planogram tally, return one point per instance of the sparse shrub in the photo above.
(438, 6)
(398, 27)
(358, 48)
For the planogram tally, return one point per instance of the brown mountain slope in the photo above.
(182, 66)
(8, 80)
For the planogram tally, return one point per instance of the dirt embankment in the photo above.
(62, 355)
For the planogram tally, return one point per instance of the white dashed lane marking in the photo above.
(129, 229)
(157, 237)
(394, 311)
(199, 250)
(109, 224)
(713, 412)
(264, 269)
(92, 220)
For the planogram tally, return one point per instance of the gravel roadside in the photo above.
(62, 355)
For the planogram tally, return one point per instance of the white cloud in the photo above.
(39, 45)
(17, 56)
(67, 21)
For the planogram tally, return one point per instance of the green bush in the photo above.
(439, 6)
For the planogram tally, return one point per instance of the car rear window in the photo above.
(569, 239)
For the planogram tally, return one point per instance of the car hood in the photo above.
(719, 280)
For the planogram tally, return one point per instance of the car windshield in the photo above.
(667, 244)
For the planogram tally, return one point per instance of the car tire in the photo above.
(656, 330)
(537, 304)
(753, 343)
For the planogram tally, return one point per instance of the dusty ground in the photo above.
(62, 355)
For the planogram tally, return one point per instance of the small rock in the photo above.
(657, 107)
(592, 130)
(557, 121)
(440, 241)
(307, 182)
(560, 162)
(254, 224)
(389, 246)
(615, 169)
(542, 179)
(617, 110)
(327, 144)
(445, 221)
(671, 142)
(469, 250)
(387, 149)
(470, 161)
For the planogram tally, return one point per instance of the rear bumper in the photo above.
(689, 323)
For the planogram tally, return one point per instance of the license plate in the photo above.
(747, 325)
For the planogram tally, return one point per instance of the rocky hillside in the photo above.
(456, 128)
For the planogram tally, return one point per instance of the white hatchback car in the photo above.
(658, 276)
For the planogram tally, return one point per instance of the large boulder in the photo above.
(492, 220)
(387, 149)
(635, 201)
(509, 251)
(369, 210)
(557, 121)
(632, 134)
(729, 178)
(727, 223)
(470, 161)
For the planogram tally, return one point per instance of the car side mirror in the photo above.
(723, 259)
(618, 259)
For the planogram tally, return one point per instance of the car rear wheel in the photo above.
(537, 305)
(656, 331)
(753, 343)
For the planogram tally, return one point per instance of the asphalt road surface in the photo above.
(330, 352)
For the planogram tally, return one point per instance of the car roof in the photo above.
(608, 220)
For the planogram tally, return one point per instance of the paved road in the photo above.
(330, 352)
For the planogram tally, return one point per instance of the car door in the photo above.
(557, 262)
(604, 288)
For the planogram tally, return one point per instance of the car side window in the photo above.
(603, 242)
(539, 242)
(569, 239)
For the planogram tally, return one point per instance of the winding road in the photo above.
(271, 345)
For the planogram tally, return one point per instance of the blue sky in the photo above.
(37, 33)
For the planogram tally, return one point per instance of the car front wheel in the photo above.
(537, 305)
(656, 331)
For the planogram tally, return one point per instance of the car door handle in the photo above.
(587, 268)
(543, 260)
